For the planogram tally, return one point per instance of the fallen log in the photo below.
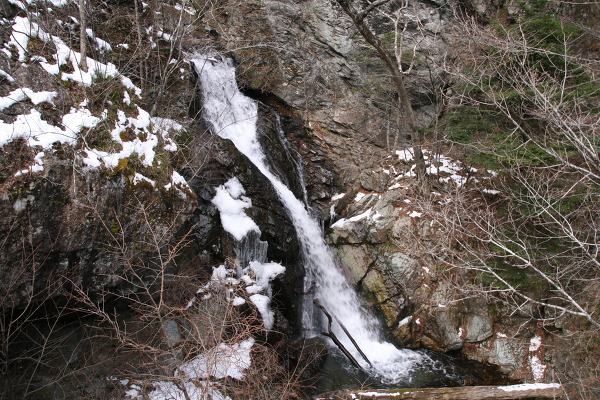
(524, 391)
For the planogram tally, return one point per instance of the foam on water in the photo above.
(233, 116)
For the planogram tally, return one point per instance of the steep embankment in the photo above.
(108, 180)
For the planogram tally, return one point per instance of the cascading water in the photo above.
(292, 155)
(233, 116)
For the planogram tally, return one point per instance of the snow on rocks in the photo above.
(165, 390)
(6, 76)
(226, 359)
(100, 44)
(255, 280)
(219, 362)
(21, 94)
(36, 167)
(447, 169)
(343, 221)
(147, 134)
(414, 214)
(139, 178)
(24, 29)
(38, 132)
(231, 203)
(257, 277)
(400, 167)
(538, 368)
(144, 142)
(178, 183)
(183, 389)
(264, 273)
(32, 127)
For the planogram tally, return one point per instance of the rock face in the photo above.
(391, 253)
(307, 55)
(322, 89)
(65, 229)
(383, 244)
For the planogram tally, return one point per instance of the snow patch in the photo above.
(38, 165)
(219, 362)
(535, 343)
(263, 305)
(23, 30)
(538, 368)
(491, 191)
(21, 204)
(342, 222)
(38, 132)
(165, 390)
(6, 76)
(338, 196)
(263, 274)
(379, 394)
(231, 203)
(238, 301)
(406, 154)
(178, 182)
(21, 94)
(414, 214)
(530, 386)
(139, 178)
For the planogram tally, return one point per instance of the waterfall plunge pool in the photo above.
(436, 370)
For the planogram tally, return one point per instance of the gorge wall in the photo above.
(69, 226)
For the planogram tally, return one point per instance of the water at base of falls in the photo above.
(233, 116)
(435, 370)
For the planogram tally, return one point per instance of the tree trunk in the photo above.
(409, 124)
(82, 36)
(526, 391)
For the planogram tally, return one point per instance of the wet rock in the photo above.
(171, 330)
(385, 250)
(358, 259)
(70, 221)
(507, 352)
(318, 67)
(7, 9)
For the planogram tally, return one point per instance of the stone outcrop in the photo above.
(391, 253)
(67, 229)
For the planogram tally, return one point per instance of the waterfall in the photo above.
(293, 156)
(233, 116)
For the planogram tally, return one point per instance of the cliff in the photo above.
(108, 175)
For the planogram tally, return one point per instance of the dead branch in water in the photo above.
(337, 342)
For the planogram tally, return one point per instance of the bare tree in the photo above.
(392, 60)
(203, 316)
(542, 231)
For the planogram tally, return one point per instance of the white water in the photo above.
(233, 116)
